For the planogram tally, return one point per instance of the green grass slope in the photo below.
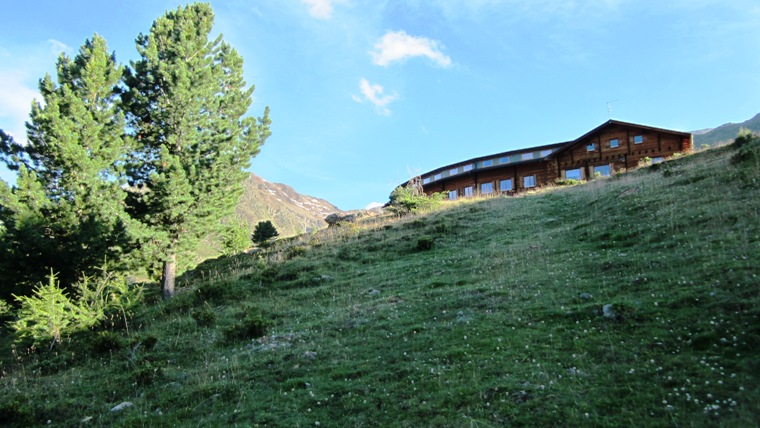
(486, 313)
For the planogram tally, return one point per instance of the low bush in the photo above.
(425, 243)
(567, 182)
(204, 317)
(106, 341)
(252, 326)
(748, 147)
(411, 199)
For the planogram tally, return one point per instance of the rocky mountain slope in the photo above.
(291, 212)
(724, 133)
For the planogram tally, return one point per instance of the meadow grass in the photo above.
(483, 313)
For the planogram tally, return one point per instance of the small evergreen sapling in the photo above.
(263, 232)
(49, 313)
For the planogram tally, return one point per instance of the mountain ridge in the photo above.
(292, 213)
(724, 133)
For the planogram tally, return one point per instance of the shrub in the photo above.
(204, 317)
(147, 374)
(567, 182)
(212, 291)
(295, 251)
(748, 147)
(252, 326)
(106, 341)
(425, 243)
(411, 199)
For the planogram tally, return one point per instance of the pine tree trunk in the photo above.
(170, 273)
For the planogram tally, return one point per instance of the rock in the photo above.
(121, 406)
(585, 296)
(373, 292)
(608, 312)
(336, 219)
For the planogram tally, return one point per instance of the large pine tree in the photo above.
(187, 100)
(66, 212)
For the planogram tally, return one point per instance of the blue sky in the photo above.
(365, 94)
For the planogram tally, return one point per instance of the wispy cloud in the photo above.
(20, 69)
(398, 46)
(15, 104)
(374, 94)
(56, 47)
(321, 9)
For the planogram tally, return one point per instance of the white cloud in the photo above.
(57, 47)
(372, 205)
(397, 46)
(374, 94)
(15, 104)
(321, 9)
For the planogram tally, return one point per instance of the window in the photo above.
(638, 139)
(591, 147)
(426, 180)
(467, 168)
(603, 170)
(546, 152)
(486, 188)
(527, 156)
(529, 181)
(454, 171)
(573, 174)
(437, 176)
(468, 191)
(505, 185)
(488, 162)
(614, 143)
(452, 195)
(505, 159)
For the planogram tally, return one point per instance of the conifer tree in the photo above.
(66, 212)
(263, 232)
(187, 99)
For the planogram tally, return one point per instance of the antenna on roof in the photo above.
(609, 108)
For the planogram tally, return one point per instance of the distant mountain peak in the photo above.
(291, 212)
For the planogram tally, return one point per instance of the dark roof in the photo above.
(560, 148)
(616, 122)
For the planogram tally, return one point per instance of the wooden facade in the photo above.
(610, 147)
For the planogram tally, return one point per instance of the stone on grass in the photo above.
(585, 296)
(121, 406)
(608, 312)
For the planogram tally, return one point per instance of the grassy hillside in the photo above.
(630, 301)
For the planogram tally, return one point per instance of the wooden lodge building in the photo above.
(612, 146)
